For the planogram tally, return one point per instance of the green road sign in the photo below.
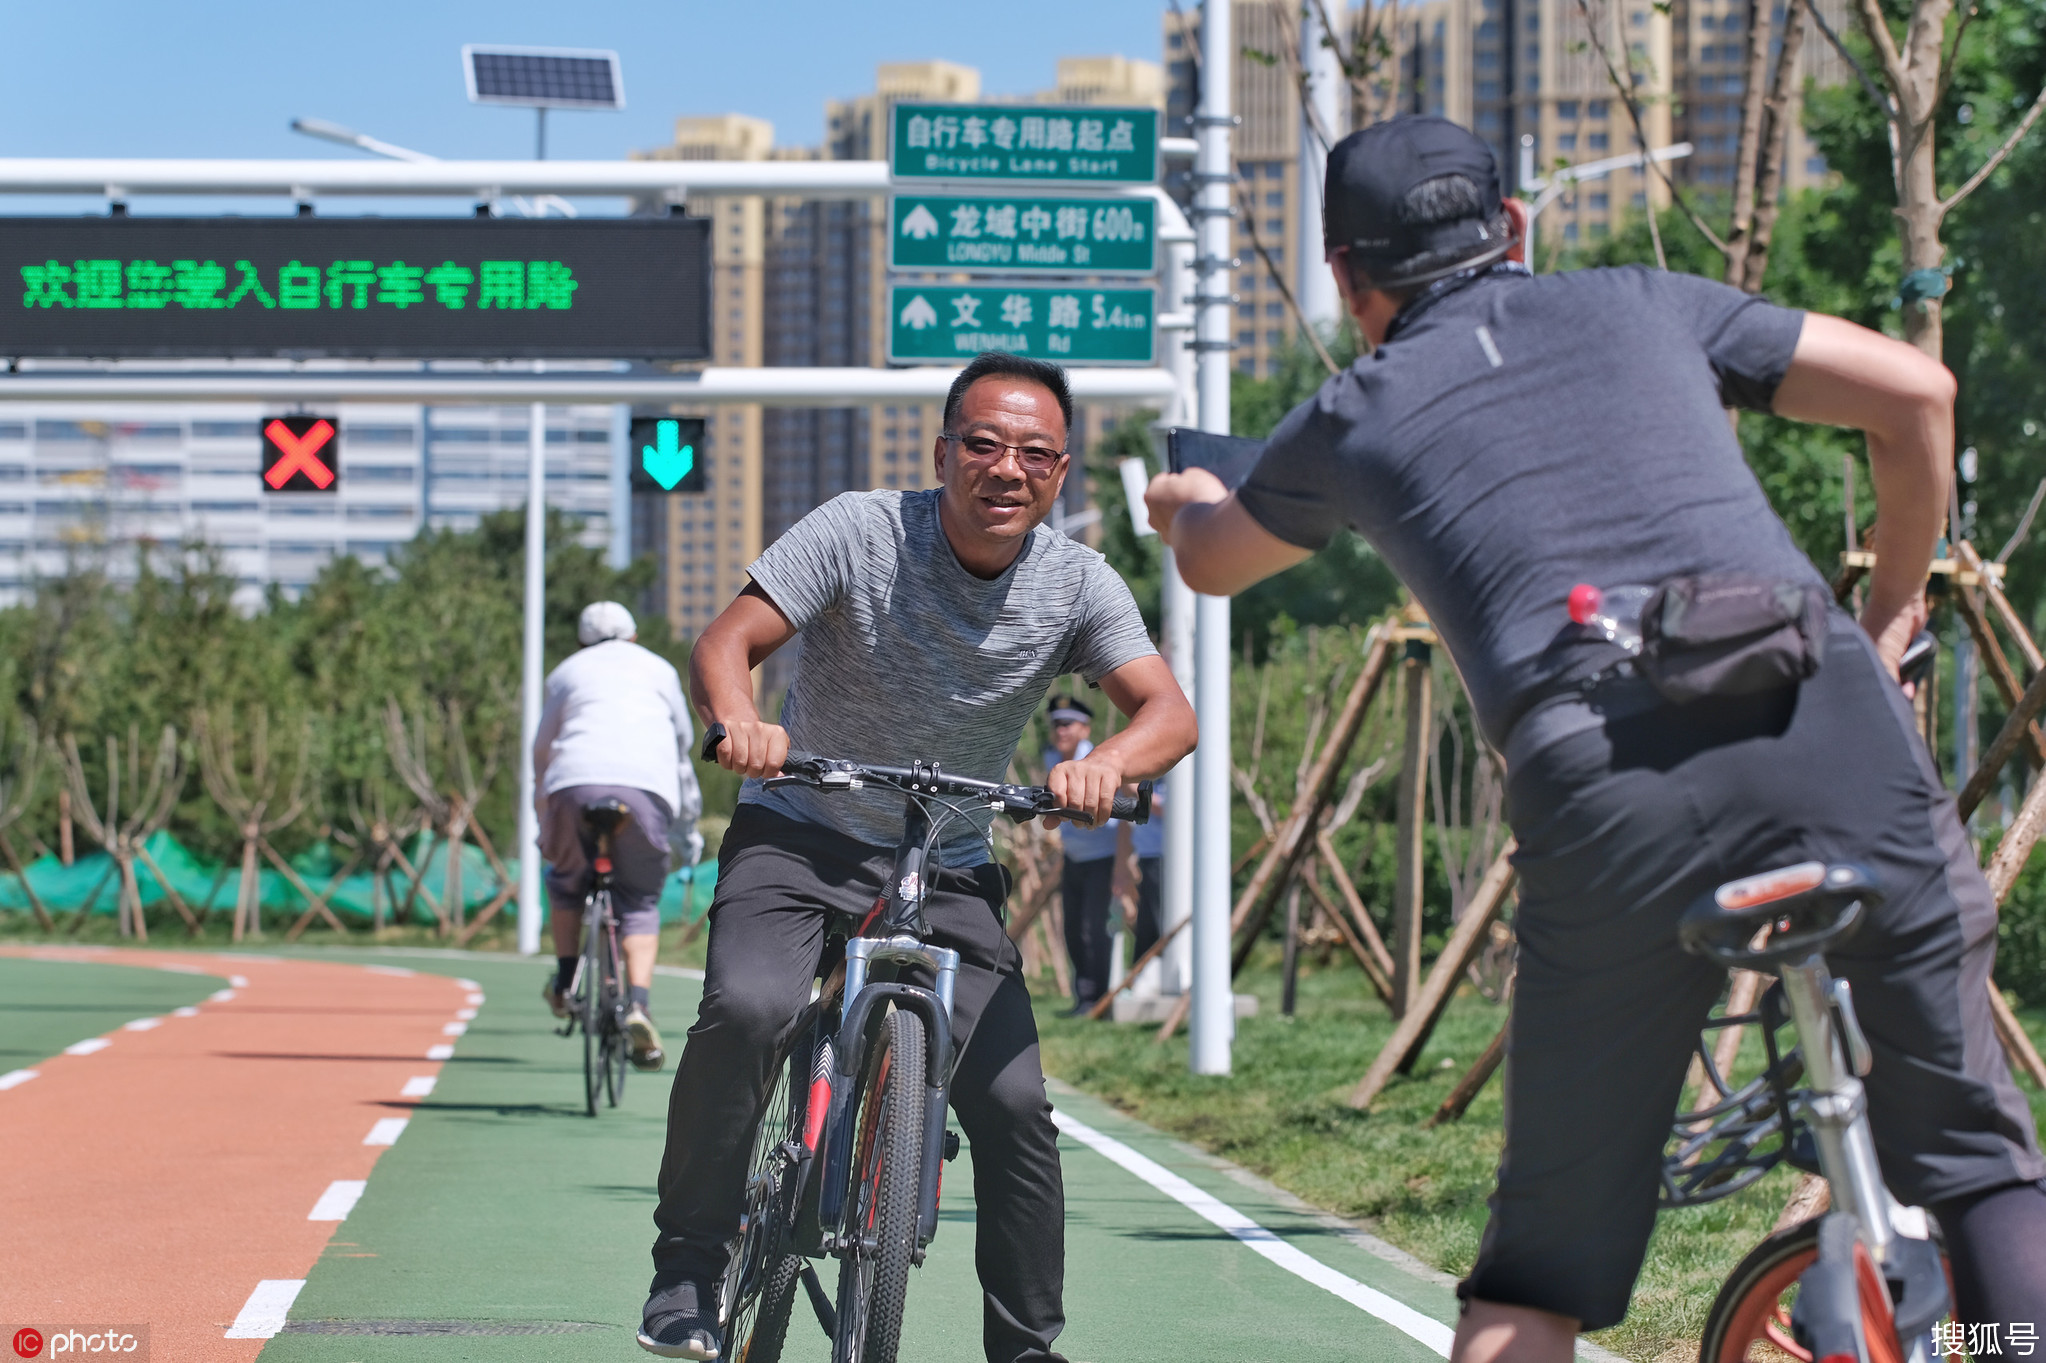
(1069, 325)
(1042, 145)
(983, 233)
(664, 454)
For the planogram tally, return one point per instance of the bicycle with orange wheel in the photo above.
(1867, 1282)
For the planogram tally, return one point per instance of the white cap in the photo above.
(603, 620)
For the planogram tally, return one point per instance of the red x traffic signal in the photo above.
(300, 455)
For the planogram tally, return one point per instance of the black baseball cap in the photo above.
(1373, 169)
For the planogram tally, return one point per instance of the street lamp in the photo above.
(1548, 191)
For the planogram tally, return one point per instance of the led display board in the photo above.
(424, 288)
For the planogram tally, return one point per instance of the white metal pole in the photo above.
(619, 552)
(530, 678)
(1176, 964)
(1213, 1020)
(1319, 303)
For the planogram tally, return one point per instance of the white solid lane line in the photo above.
(418, 1086)
(141, 1024)
(386, 1131)
(87, 1046)
(1399, 1315)
(440, 1051)
(339, 1200)
(262, 1315)
(16, 1078)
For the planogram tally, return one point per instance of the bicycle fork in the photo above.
(1835, 1104)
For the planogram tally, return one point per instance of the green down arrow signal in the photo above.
(667, 461)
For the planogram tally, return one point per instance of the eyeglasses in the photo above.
(983, 449)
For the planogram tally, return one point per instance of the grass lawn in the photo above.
(1282, 1114)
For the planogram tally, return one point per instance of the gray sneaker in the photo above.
(646, 1042)
(680, 1322)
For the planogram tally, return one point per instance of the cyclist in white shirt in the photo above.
(614, 727)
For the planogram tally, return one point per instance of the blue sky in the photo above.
(225, 77)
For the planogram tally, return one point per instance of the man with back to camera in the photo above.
(1509, 437)
(1087, 867)
(933, 623)
(614, 727)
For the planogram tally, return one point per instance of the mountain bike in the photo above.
(1866, 1282)
(849, 1154)
(598, 995)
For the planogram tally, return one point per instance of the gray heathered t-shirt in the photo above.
(1520, 435)
(906, 656)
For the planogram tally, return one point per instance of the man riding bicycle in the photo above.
(933, 623)
(614, 728)
(1511, 436)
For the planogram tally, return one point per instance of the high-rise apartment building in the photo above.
(703, 541)
(1504, 69)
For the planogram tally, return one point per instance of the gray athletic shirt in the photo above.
(907, 656)
(1520, 435)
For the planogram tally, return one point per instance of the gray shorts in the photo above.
(1629, 810)
(639, 854)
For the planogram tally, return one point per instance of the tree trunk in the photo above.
(248, 899)
(1755, 68)
(1779, 134)
(1913, 77)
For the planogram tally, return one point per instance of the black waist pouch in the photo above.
(1723, 634)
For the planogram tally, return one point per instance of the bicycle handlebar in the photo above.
(924, 778)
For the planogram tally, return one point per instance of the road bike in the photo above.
(597, 996)
(1867, 1281)
(848, 1156)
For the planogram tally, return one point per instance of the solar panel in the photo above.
(543, 77)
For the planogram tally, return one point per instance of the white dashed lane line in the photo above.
(418, 1086)
(386, 1131)
(16, 1078)
(475, 999)
(465, 1014)
(262, 1316)
(454, 1029)
(238, 981)
(88, 1046)
(339, 1200)
(142, 1025)
(396, 971)
(442, 1051)
(221, 995)
(184, 1012)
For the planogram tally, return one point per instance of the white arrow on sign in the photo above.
(920, 224)
(919, 314)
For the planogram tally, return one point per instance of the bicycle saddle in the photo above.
(604, 816)
(1806, 907)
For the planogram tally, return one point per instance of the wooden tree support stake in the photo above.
(1473, 1082)
(1295, 836)
(1403, 1048)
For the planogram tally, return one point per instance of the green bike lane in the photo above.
(506, 1225)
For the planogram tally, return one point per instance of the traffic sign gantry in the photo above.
(664, 454)
(1072, 325)
(300, 454)
(996, 142)
(481, 288)
(983, 234)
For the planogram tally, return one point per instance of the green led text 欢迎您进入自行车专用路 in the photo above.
(205, 284)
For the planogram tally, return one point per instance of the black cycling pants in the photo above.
(1627, 811)
(780, 883)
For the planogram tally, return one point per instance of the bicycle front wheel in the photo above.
(617, 1046)
(873, 1275)
(1750, 1319)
